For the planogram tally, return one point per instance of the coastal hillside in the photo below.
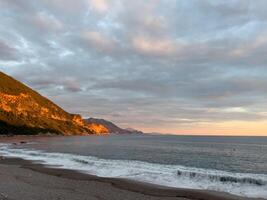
(24, 111)
(112, 128)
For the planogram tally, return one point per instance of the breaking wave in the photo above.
(223, 178)
(243, 184)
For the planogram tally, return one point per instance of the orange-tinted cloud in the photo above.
(253, 128)
(153, 46)
(98, 5)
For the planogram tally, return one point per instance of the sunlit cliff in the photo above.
(24, 111)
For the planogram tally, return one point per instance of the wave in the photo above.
(223, 179)
(243, 184)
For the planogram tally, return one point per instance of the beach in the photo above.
(22, 179)
(33, 180)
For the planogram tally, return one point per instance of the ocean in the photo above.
(236, 165)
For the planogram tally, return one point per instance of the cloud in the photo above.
(180, 64)
(7, 52)
(61, 7)
(97, 40)
(61, 84)
(46, 22)
(153, 46)
(98, 5)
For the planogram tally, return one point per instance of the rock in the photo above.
(25, 111)
(111, 127)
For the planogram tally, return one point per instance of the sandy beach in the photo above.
(22, 179)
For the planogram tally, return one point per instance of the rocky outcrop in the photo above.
(112, 128)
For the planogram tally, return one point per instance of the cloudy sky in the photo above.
(171, 66)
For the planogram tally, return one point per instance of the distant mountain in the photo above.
(24, 111)
(112, 128)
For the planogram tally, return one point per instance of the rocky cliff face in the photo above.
(112, 128)
(24, 111)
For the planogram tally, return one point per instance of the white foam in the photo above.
(243, 184)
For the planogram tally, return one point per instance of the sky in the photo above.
(169, 66)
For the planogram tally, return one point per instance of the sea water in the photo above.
(236, 165)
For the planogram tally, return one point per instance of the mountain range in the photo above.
(25, 111)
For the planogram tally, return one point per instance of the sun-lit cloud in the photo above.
(224, 128)
(154, 46)
(98, 5)
(235, 110)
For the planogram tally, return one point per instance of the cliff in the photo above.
(24, 111)
(112, 128)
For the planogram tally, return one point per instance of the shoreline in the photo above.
(131, 189)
